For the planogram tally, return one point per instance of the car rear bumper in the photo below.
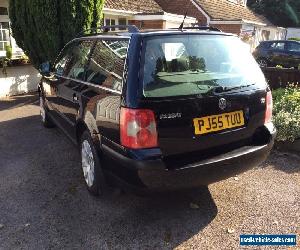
(152, 175)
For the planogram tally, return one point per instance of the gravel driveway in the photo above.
(44, 203)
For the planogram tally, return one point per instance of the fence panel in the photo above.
(280, 78)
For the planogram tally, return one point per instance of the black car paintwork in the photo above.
(76, 105)
(274, 56)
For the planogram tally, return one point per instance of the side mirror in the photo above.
(45, 68)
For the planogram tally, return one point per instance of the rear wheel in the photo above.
(91, 166)
(262, 62)
(45, 119)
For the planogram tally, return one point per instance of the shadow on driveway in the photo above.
(279, 161)
(44, 203)
(18, 101)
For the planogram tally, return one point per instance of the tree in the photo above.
(285, 13)
(42, 27)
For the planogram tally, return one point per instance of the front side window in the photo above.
(180, 65)
(62, 61)
(278, 46)
(107, 63)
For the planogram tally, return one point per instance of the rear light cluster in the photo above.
(138, 128)
(269, 107)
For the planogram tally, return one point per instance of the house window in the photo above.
(110, 22)
(4, 35)
(3, 11)
(117, 21)
(122, 21)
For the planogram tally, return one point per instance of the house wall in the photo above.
(255, 34)
(148, 24)
(4, 3)
(19, 80)
(229, 28)
(268, 33)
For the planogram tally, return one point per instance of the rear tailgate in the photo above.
(178, 132)
(207, 92)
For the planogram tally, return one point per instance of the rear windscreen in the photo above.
(181, 65)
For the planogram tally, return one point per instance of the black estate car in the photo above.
(272, 53)
(159, 110)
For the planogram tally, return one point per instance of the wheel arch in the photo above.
(82, 126)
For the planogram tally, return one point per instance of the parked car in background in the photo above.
(280, 52)
(159, 110)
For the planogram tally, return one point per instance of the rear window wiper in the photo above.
(222, 89)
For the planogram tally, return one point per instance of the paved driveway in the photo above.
(44, 204)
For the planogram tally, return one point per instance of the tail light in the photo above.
(138, 128)
(269, 107)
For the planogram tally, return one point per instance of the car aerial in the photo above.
(159, 110)
(273, 53)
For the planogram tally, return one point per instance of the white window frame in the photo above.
(115, 18)
(2, 41)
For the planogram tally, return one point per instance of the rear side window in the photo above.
(180, 65)
(107, 63)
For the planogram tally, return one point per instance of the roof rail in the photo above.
(201, 28)
(107, 28)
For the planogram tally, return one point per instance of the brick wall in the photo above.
(149, 24)
(229, 28)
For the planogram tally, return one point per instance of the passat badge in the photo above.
(170, 116)
(222, 103)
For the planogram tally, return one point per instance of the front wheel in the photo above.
(91, 166)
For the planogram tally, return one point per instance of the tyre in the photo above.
(262, 62)
(91, 166)
(45, 119)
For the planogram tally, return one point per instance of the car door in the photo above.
(70, 88)
(278, 54)
(52, 82)
(294, 54)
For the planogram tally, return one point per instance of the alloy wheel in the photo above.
(42, 110)
(88, 163)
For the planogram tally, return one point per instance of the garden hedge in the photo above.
(42, 27)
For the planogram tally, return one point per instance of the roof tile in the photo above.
(145, 6)
(216, 9)
(226, 10)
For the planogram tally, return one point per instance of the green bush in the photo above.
(42, 27)
(287, 113)
(294, 39)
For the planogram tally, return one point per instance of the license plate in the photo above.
(215, 123)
